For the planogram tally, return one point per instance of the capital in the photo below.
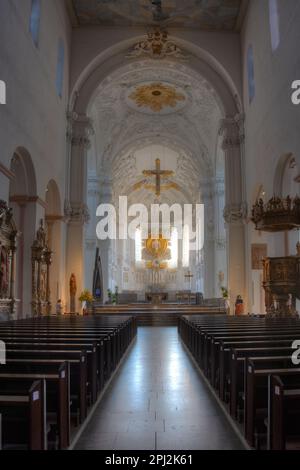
(80, 130)
(232, 130)
(236, 213)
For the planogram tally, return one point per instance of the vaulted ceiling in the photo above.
(207, 15)
(148, 104)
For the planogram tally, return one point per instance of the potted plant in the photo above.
(225, 295)
(116, 295)
(86, 298)
(109, 295)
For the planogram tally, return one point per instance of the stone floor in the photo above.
(158, 401)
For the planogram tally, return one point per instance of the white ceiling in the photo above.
(126, 136)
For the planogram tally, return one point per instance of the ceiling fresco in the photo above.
(208, 15)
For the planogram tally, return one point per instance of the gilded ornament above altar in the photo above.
(157, 97)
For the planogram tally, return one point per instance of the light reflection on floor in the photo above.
(158, 401)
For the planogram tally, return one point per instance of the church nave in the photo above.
(158, 400)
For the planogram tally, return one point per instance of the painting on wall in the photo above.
(258, 252)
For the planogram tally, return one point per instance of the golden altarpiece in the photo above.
(41, 258)
(8, 239)
(281, 275)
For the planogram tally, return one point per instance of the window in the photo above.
(173, 263)
(250, 70)
(186, 247)
(274, 24)
(35, 17)
(138, 246)
(60, 68)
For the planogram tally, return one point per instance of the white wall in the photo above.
(90, 42)
(34, 116)
(272, 121)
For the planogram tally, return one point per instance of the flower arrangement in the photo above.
(86, 296)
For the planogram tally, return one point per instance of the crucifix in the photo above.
(159, 174)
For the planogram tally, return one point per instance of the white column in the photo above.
(209, 248)
(106, 245)
(220, 237)
(93, 200)
(76, 210)
(235, 212)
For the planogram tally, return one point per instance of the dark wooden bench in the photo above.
(22, 406)
(284, 408)
(257, 377)
(237, 371)
(57, 396)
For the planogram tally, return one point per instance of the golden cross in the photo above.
(159, 174)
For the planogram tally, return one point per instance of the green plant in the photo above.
(224, 291)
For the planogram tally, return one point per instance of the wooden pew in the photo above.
(77, 378)
(92, 348)
(284, 410)
(221, 373)
(57, 380)
(103, 341)
(237, 369)
(257, 376)
(36, 347)
(52, 352)
(57, 377)
(22, 406)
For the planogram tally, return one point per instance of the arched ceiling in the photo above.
(147, 104)
(128, 178)
(207, 15)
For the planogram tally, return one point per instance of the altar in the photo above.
(156, 298)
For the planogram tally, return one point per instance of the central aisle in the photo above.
(158, 401)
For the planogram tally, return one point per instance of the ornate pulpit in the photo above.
(41, 261)
(281, 279)
(282, 284)
(8, 237)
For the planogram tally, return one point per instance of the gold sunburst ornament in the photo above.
(156, 96)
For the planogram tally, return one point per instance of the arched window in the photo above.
(250, 70)
(35, 18)
(138, 246)
(60, 68)
(173, 263)
(274, 24)
(186, 247)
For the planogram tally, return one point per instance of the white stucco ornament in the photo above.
(157, 45)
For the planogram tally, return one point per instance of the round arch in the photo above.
(54, 221)
(222, 86)
(112, 58)
(22, 196)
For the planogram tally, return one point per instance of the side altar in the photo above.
(8, 240)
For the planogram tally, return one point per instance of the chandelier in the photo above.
(277, 215)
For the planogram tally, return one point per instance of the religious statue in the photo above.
(4, 273)
(59, 307)
(41, 259)
(73, 291)
(41, 235)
